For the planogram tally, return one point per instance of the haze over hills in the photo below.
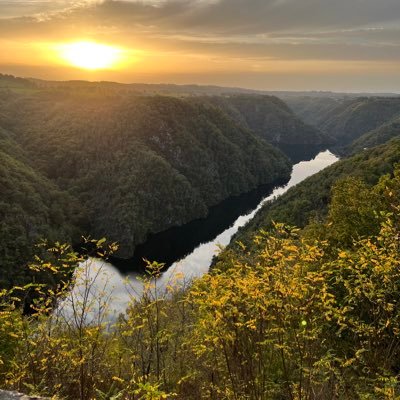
(352, 122)
(11, 81)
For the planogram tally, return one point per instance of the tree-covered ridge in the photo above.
(301, 314)
(351, 118)
(15, 83)
(270, 118)
(313, 110)
(31, 208)
(309, 199)
(376, 137)
(138, 164)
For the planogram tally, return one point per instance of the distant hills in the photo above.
(377, 136)
(355, 124)
(270, 118)
(181, 90)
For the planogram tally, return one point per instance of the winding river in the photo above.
(99, 282)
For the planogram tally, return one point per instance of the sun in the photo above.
(90, 55)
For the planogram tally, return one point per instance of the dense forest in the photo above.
(308, 201)
(375, 137)
(302, 305)
(271, 119)
(299, 313)
(354, 123)
(353, 118)
(123, 165)
(32, 207)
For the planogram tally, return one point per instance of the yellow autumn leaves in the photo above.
(296, 316)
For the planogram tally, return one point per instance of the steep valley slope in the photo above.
(123, 166)
(308, 201)
(354, 123)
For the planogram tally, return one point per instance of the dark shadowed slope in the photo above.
(376, 137)
(139, 164)
(270, 118)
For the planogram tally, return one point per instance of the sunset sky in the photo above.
(340, 45)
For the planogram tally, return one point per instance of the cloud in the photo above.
(284, 29)
(19, 8)
(250, 16)
(247, 32)
(258, 16)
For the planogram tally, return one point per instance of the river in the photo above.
(99, 282)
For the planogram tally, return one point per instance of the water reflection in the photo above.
(106, 281)
(301, 152)
(176, 243)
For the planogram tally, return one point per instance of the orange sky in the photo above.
(341, 45)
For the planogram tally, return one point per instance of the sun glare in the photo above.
(89, 55)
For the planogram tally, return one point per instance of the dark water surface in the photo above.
(188, 251)
(176, 243)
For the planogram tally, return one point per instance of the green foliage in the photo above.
(354, 211)
(376, 137)
(293, 317)
(31, 208)
(308, 201)
(296, 314)
(269, 118)
(352, 118)
(134, 165)
(351, 292)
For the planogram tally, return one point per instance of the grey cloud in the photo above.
(252, 16)
(276, 29)
(273, 15)
(21, 8)
(288, 51)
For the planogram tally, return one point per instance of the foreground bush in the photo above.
(296, 317)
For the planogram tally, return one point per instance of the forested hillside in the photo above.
(301, 314)
(354, 118)
(313, 110)
(137, 164)
(376, 137)
(309, 200)
(271, 119)
(347, 119)
(31, 208)
(306, 312)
